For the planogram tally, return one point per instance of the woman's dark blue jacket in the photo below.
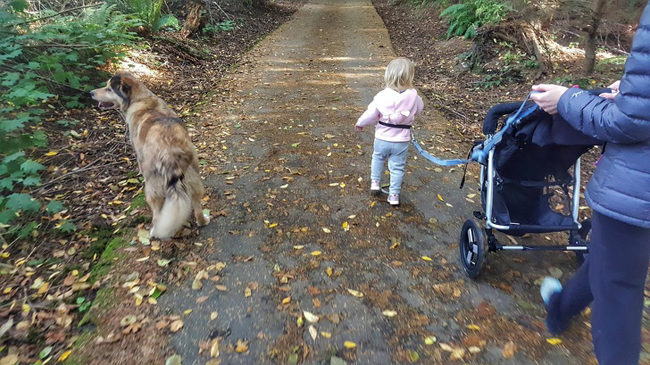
(620, 187)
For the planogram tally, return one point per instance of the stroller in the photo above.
(525, 159)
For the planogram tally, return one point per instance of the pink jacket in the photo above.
(392, 107)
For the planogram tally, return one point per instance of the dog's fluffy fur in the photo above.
(166, 157)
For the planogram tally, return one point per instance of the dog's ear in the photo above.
(121, 86)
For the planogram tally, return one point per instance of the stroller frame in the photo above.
(476, 242)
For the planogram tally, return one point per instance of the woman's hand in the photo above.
(358, 128)
(548, 97)
(614, 92)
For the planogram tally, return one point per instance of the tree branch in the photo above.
(57, 14)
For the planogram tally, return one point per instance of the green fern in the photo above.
(465, 18)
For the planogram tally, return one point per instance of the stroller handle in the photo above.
(498, 111)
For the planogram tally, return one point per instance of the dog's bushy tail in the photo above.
(178, 204)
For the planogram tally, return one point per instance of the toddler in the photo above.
(394, 109)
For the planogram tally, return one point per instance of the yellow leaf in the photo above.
(187, 311)
(273, 225)
(389, 313)
(152, 301)
(357, 294)
(427, 258)
(51, 153)
(373, 204)
(242, 346)
(346, 226)
(65, 355)
(554, 341)
(138, 300)
(286, 300)
(430, 340)
(7, 290)
(328, 271)
(299, 321)
(316, 253)
(342, 185)
(26, 309)
(394, 245)
(473, 327)
(349, 344)
(325, 334)
(440, 198)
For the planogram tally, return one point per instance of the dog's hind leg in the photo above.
(155, 202)
(198, 191)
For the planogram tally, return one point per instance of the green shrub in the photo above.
(41, 61)
(465, 18)
(224, 26)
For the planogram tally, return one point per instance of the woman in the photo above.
(613, 276)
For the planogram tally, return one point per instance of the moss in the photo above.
(76, 358)
(108, 258)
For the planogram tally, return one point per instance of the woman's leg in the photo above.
(396, 163)
(379, 156)
(617, 278)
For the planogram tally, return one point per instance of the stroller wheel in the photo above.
(473, 247)
(584, 238)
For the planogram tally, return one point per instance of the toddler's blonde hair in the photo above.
(399, 74)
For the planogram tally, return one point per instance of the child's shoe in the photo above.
(375, 187)
(393, 199)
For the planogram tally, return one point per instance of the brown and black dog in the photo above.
(166, 157)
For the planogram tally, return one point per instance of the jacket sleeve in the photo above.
(626, 119)
(420, 105)
(370, 116)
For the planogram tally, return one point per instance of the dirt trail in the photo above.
(286, 170)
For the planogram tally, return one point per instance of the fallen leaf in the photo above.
(394, 245)
(349, 344)
(325, 334)
(326, 230)
(310, 317)
(214, 349)
(174, 360)
(440, 198)
(474, 349)
(247, 292)
(430, 340)
(357, 294)
(197, 284)
(163, 262)
(334, 360)
(64, 355)
(313, 333)
(328, 271)
(346, 226)
(509, 350)
(414, 356)
(176, 325)
(128, 320)
(554, 341)
(200, 300)
(221, 288)
(214, 316)
(286, 300)
(473, 327)
(389, 313)
(446, 347)
(242, 346)
(427, 258)
(316, 253)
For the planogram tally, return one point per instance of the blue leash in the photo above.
(480, 152)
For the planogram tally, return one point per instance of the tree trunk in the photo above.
(592, 32)
(194, 10)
